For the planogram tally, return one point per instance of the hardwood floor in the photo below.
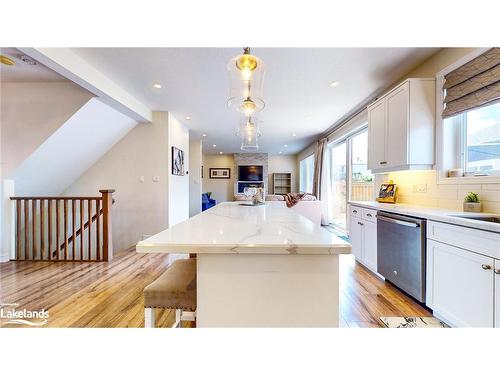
(110, 294)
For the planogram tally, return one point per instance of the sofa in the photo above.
(207, 202)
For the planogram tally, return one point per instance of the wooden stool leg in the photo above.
(149, 317)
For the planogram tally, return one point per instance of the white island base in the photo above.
(267, 290)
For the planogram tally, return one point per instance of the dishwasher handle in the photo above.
(397, 221)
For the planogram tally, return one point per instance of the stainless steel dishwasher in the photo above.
(401, 251)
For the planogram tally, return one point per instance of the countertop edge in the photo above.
(432, 213)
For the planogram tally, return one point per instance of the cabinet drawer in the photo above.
(370, 215)
(478, 241)
(355, 211)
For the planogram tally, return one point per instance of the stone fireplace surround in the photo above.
(251, 159)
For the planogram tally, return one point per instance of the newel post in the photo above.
(107, 236)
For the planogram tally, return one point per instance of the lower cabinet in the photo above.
(461, 286)
(363, 235)
(370, 245)
(356, 236)
(497, 293)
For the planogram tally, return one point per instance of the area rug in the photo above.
(412, 322)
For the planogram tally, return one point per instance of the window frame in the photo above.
(441, 172)
(300, 173)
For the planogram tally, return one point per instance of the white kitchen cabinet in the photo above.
(401, 127)
(460, 285)
(376, 135)
(369, 256)
(363, 236)
(497, 293)
(356, 236)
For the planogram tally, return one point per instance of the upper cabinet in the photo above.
(401, 127)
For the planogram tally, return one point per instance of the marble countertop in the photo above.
(232, 228)
(436, 214)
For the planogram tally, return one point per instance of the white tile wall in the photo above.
(443, 196)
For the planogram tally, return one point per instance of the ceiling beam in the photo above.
(68, 64)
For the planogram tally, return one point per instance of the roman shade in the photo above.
(473, 85)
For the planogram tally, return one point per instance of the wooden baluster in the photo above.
(33, 228)
(81, 229)
(107, 237)
(89, 220)
(26, 229)
(18, 229)
(73, 214)
(65, 229)
(57, 229)
(98, 229)
(42, 229)
(49, 227)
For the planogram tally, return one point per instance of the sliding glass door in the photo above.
(350, 179)
(361, 182)
(338, 173)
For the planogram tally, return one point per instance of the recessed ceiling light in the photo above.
(214, 145)
(285, 145)
(203, 135)
(294, 135)
(334, 83)
(220, 152)
(157, 85)
(280, 152)
(188, 118)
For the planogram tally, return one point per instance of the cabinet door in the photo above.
(397, 124)
(370, 245)
(376, 135)
(497, 294)
(356, 236)
(460, 285)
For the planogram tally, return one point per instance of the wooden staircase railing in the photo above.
(85, 226)
(46, 228)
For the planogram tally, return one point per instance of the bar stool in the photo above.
(174, 289)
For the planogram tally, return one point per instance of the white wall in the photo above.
(222, 189)
(131, 167)
(283, 164)
(70, 150)
(195, 182)
(178, 186)
(30, 113)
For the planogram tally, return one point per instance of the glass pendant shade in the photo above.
(246, 75)
(249, 134)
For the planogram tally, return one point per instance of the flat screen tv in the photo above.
(250, 173)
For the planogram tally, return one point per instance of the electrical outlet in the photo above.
(420, 188)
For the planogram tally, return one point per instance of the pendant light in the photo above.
(249, 134)
(246, 74)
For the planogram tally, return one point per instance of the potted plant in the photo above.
(472, 203)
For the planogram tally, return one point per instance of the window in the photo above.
(306, 174)
(468, 127)
(347, 168)
(474, 138)
(482, 140)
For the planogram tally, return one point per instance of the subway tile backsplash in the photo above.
(411, 190)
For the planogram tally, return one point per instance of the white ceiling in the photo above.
(23, 72)
(297, 91)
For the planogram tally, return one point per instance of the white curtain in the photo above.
(321, 182)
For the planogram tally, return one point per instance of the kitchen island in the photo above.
(258, 266)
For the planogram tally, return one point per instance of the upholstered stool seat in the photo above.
(174, 289)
